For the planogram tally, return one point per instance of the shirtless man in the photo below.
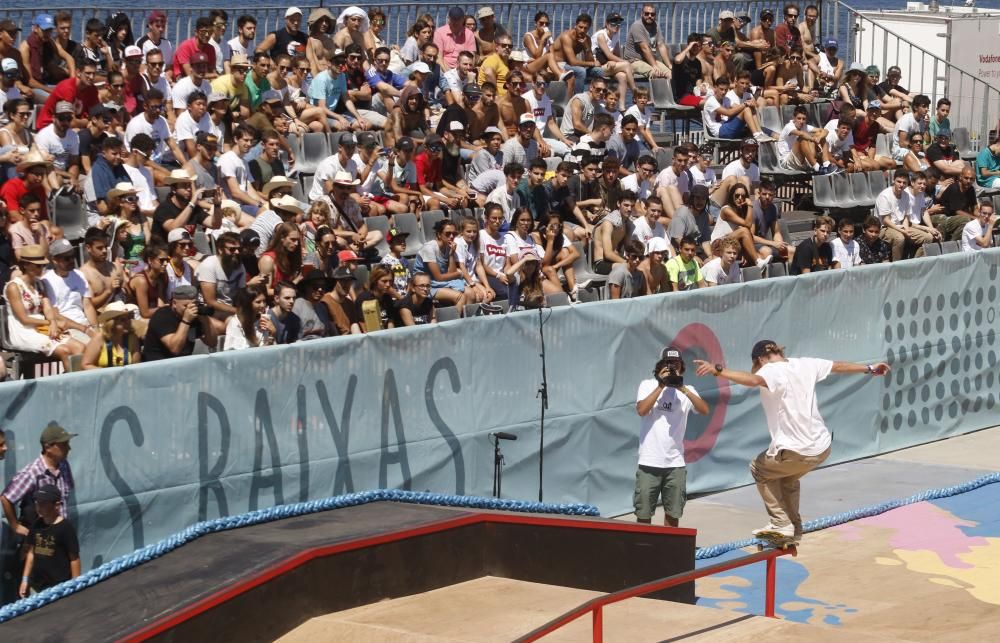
(512, 105)
(573, 52)
(724, 64)
(763, 31)
(611, 233)
(657, 251)
(791, 82)
(810, 34)
(351, 33)
(104, 277)
(706, 56)
(483, 113)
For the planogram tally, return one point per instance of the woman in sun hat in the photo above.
(116, 345)
(130, 229)
(32, 322)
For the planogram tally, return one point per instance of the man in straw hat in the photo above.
(31, 171)
(268, 219)
(349, 225)
(186, 205)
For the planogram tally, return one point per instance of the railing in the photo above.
(596, 606)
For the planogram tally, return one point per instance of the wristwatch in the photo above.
(869, 368)
(718, 369)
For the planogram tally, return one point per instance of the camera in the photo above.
(204, 310)
(674, 377)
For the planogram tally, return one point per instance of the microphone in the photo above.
(501, 435)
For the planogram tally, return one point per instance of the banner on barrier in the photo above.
(164, 445)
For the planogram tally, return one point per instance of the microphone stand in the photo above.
(543, 392)
(498, 463)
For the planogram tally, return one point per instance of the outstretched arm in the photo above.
(880, 368)
(740, 377)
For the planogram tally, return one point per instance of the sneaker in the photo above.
(787, 531)
(574, 295)
(581, 285)
(761, 137)
(566, 74)
(763, 261)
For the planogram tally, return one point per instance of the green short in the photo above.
(669, 485)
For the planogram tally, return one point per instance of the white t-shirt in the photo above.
(236, 47)
(493, 250)
(158, 130)
(787, 140)
(847, 255)
(972, 230)
(163, 85)
(713, 273)
(837, 146)
(183, 88)
(706, 178)
(886, 203)
(66, 294)
(736, 169)
(142, 180)
(164, 46)
(61, 148)
(612, 43)
(326, 170)
(230, 164)
(661, 431)
(454, 80)
(186, 129)
(541, 109)
(667, 178)
(711, 119)
(515, 245)
(631, 182)
(467, 255)
(643, 232)
(790, 406)
(909, 125)
(643, 116)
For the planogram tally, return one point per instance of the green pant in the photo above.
(669, 485)
(950, 226)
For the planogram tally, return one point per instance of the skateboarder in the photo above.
(800, 441)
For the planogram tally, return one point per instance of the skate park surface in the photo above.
(925, 571)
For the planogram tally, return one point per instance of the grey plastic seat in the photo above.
(770, 118)
(776, 270)
(557, 299)
(315, 148)
(860, 189)
(664, 157)
(842, 191)
(752, 273)
(877, 181)
(948, 247)
(448, 313)
(70, 213)
(962, 141)
(588, 294)
(932, 248)
(293, 143)
(407, 222)
(823, 195)
(427, 221)
(558, 92)
(585, 276)
(361, 274)
(882, 147)
(380, 223)
(551, 163)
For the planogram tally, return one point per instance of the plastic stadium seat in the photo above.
(786, 112)
(293, 143)
(70, 213)
(202, 242)
(962, 141)
(776, 270)
(448, 313)
(948, 247)
(407, 222)
(315, 148)
(551, 163)
(860, 189)
(752, 273)
(932, 248)
(557, 91)
(882, 147)
(557, 299)
(361, 274)
(588, 294)
(380, 223)
(877, 181)
(770, 118)
(427, 221)
(842, 192)
(307, 186)
(584, 274)
(162, 192)
(823, 196)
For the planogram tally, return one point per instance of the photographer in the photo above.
(663, 403)
(173, 329)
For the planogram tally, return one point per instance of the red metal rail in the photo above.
(595, 606)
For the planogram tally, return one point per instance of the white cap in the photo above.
(456, 126)
(420, 66)
(291, 11)
(656, 244)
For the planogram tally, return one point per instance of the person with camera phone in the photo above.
(664, 402)
(174, 328)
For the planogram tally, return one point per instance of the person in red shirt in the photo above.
(134, 84)
(31, 174)
(432, 184)
(866, 130)
(80, 91)
(182, 57)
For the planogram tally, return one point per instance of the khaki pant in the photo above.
(641, 69)
(898, 241)
(777, 480)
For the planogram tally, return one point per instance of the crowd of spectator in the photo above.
(163, 144)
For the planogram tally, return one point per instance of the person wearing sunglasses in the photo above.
(60, 143)
(787, 35)
(153, 123)
(287, 40)
(645, 47)
(385, 83)
(154, 38)
(79, 92)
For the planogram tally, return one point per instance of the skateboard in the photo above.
(775, 540)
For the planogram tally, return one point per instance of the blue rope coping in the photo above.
(704, 553)
(197, 530)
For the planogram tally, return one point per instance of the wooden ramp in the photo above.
(501, 609)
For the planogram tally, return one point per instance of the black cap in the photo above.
(671, 354)
(47, 493)
(763, 347)
(367, 139)
(456, 13)
(204, 138)
(433, 140)
(614, 18)
(249, 237)
(405, 144)
(342, 272)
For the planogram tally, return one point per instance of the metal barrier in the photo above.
(596, 605)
